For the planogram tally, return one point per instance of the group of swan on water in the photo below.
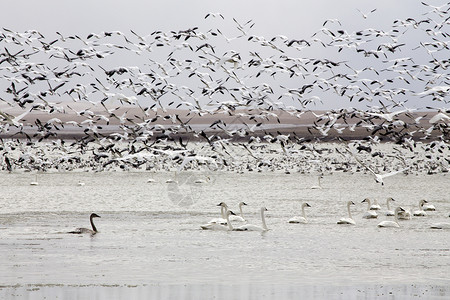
(228, 216)
(398, 213)
(224, 223)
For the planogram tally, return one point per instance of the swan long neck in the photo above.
(368, 204)
(303, 211)
(240, 208)
(92, 224)
(230, 227)
(387, 203)
(263, 219)
(348, 209)
(396, 215)
(222, 212)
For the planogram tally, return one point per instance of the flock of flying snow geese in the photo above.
(228, 99)
(128, 100)
(184, 99)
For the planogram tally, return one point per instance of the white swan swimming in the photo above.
(429, 207)
(151, 179)
(173, 180)
(251, 227)
(375, 205)
(319, 186)
(35, 182)
(86, 230)
(217, 226)
(369, 214)
(241, 217)
(389, 212)
(420, 212)
(223, 213)
(405, 214)
(199, 180)
(392, 223)
(301, 219)
(440, 226)
(348, 220)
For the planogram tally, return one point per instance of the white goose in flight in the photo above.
(378, 177)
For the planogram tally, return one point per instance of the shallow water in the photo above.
(150, 242)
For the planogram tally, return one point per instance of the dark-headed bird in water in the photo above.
(86, 230)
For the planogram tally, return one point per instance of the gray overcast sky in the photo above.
(290, 18)
(294, 19)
